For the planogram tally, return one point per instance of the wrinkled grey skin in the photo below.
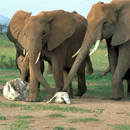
(57, 35)
(111, 22)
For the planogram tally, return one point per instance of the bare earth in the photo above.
(108, 112)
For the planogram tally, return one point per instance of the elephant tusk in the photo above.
(25, 56)
(38, 57)
(95, 48)
(76, 53)
(23, 51)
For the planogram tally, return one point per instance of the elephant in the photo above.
(111, 22)
(53, 36)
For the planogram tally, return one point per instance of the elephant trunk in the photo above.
(90, 38)
(35, 66)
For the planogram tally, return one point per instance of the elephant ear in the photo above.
(16, 25)
(122, 28)
(62, 26)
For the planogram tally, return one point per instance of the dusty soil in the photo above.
(108, 112)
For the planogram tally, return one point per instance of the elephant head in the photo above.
(32, 33)
(104, 21)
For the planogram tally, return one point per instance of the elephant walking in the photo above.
(53, 36)
(111, 22)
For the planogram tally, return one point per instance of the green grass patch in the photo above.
(7, 53)
(56, 108)
(4, 41)
(121, 112)
(71, 128)
(7, 62)
(9, 105)
(122, 127)
(62, 128)
(20, 125)
(83, 120)
(24, 117)
(58, 128)
(2, 117)
(57, 115)
(34, 106)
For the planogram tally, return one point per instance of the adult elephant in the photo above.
(111, 22)
(53, 36)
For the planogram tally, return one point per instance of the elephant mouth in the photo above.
(26, 54)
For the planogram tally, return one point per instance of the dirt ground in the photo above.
(108, 112)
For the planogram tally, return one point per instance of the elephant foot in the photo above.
(70, 94)
(79, 92)
(88, 72)
(32, 98)
(117, 96)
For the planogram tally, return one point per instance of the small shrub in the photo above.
(2, 118)
(7, 62)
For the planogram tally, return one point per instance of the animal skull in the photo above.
(16, 89)
(60, 97)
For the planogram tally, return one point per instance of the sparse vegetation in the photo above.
(20, 124)
(122, 127)
(24, 117)
(2, 117)
(57, 115)
(56, 108)
(58, 128)
(83, 120)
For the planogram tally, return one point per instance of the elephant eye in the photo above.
(44, 32)
(24, 33)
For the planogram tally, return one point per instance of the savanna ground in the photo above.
(93, 111)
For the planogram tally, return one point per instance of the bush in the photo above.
(7, 62)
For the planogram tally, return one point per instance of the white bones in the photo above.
(60, 97)
(16, 89)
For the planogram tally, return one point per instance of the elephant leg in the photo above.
(82, 88)
(70, 89)
(121, 69)
(128, 84)
(89, 67)
(58, 74)
(112, 56)
(49, 69)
